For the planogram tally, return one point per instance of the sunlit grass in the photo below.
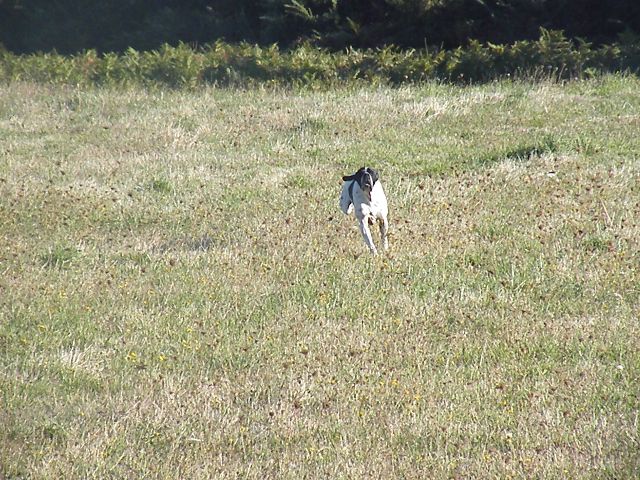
(181, 297)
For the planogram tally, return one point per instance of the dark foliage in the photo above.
(70, 26)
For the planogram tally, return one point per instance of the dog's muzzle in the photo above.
(367, 185)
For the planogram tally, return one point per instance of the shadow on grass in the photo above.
(519, 153)
(455, 165)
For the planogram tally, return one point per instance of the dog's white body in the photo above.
(369, 205)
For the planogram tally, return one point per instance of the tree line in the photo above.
(72, 26)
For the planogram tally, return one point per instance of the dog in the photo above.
(362, 193)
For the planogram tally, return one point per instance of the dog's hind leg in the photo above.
(366, 234)
(384, 228)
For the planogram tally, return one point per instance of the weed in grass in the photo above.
(299, 180)
(160, 185)
(595, 243)
(58, 257)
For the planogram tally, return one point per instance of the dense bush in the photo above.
(72, 26)
(551, 56)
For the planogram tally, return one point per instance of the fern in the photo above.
(297, 9)
(551, 56)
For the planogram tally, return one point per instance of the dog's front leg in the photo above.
(366, 233)
(384, 228)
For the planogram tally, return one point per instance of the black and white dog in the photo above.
(362, 192)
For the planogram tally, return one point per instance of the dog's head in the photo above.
(366, 178)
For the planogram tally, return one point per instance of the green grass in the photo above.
(181, 298)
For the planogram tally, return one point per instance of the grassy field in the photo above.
(180, 296)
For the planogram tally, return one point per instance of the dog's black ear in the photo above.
(374, 175)
(356, 176)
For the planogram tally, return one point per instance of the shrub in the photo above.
(552, 55)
